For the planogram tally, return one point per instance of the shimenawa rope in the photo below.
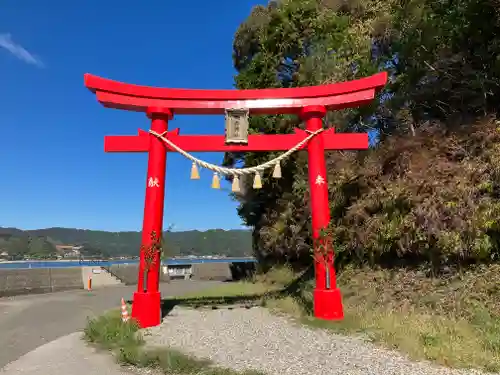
(237, 171)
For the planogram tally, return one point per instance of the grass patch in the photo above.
(273, 281)
(125, 341)
(236, 289)
(452, 321)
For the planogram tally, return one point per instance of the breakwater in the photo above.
(41, 280)
(32, 277)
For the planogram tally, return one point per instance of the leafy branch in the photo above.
(153, 251)
(323, 250)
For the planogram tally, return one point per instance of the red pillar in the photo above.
(146, 308)
(327, 297)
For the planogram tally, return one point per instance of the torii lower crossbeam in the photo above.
(216, 143)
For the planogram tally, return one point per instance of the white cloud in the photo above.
(18, 51)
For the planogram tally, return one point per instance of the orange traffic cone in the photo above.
(125, 316)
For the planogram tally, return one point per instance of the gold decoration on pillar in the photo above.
(257, 181)
(236, 184)
(195, 175)
(215, 181)
(277, 170)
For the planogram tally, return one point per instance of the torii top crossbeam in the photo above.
(119, 95)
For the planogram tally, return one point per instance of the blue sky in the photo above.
(54, 169)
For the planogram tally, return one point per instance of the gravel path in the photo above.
(255, 339)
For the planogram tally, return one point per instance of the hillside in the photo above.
(43, 241)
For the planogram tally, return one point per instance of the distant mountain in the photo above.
(210, 242)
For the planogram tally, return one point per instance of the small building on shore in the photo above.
(69, 251)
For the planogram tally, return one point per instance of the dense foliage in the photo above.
(41, 242)
(426, 192)
(430, 198)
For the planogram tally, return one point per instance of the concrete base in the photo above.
(212, 271)
(99, 276)
(127, 273)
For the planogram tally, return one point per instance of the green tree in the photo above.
(18, 247)
(40, 247)
(289, 44)
(448, 60)
(400, 200)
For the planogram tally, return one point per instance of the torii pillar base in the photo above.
(328, 304)
(146, 309)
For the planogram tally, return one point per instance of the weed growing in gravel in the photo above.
(108, 332)
(125, 341)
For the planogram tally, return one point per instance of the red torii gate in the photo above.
(160, 104)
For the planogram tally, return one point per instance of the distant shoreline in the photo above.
(29, 264)
(90, 260)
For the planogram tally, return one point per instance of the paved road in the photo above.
(68, 355)
(26, 322)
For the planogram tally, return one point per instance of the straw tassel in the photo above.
(277, 170)
(257, 181)
(215, 182)
(195, 175)
(236, 184)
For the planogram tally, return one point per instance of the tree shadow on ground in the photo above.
(294, 290)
